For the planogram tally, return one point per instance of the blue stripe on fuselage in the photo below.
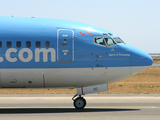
(86, 53)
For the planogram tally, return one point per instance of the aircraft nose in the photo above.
(140, 60)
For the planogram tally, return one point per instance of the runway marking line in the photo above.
(104, 107)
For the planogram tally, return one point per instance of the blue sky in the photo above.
(137, 22)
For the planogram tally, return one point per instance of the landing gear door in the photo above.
(65, 45)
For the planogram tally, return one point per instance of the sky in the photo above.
(137, 22)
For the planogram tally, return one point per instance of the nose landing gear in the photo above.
(79, 102)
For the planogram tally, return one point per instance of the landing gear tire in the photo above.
(79, 103)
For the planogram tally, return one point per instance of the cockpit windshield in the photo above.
(118, 40)
(107, 41)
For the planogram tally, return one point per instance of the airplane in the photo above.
(53, 53)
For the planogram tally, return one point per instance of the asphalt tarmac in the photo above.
(99, 107)
(155, 65)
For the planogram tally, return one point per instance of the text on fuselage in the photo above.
(12, 58)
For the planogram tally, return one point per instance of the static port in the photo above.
(29, 82)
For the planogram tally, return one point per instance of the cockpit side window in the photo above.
(100, 41)
(109, 41)
(106, 41)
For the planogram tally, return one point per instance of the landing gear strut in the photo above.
(79, 102)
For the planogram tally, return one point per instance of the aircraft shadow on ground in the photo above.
(59, 110)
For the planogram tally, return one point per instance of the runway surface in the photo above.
(155, 65)
(99, 107)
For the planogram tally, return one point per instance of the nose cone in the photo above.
(140, 58)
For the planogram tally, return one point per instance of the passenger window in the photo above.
(28, 44)
(47, 44)
(18, 44)
(100, 41)
(9, 44)
(0, 44)
(109, 41)
(38, 44)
